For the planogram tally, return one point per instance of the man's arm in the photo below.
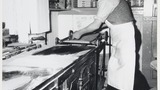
(105, 7)
(91, 27)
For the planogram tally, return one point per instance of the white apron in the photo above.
(121, 66)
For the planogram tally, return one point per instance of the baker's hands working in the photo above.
(76, 35)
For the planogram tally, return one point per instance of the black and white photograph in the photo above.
(79, 45)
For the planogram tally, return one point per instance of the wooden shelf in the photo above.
(137, 10)
(150, 18)
(81, 11)
(52, 9)
(93, 11)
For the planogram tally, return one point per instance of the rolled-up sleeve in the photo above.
(105, 7)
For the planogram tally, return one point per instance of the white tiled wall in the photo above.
(64, 25)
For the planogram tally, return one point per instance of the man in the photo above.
(117, 15)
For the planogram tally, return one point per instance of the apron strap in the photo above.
(108, 24)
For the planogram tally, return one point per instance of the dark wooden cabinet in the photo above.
(82, 74)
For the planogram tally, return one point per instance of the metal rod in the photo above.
(109, 43)
(97, 66)
(104, 58)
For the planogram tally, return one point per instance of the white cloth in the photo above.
(121, 66)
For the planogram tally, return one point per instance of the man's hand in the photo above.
(76, 35)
